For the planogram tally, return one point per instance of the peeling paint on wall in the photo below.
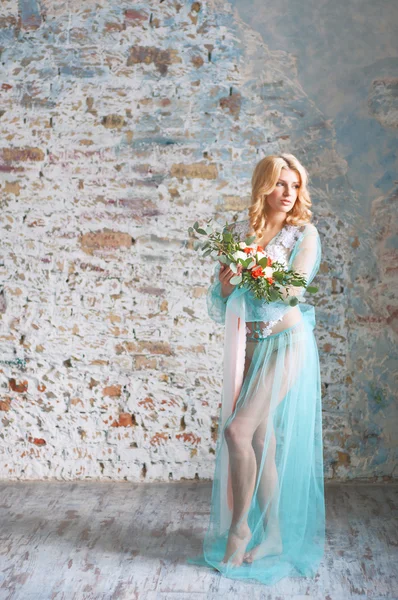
(118, 124)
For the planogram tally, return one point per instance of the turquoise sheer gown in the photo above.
(267, 513)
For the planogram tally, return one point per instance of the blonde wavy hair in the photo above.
(264, 179)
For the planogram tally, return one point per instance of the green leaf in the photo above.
(277, 275)
(296, 283)
(250, 240)
(263, 262)
(196, 225)
(227, 237)
(233, 267)
(235, 279)
(201, 231)
(207, 252)
(293, 301)
(312, 289)
(273, 294)
(190, 229)
(246, 262)
(223, 259)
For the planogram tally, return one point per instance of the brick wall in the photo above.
(120, 124)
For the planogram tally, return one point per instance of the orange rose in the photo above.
(260, 249)
(247, 250)
(269, 261)
(257, 272)
(270, 280)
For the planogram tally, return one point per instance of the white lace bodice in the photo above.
(281, 246)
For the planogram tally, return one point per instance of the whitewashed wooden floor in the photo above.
(125, 541)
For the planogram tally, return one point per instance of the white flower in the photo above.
(242, 245)
(268, 271)
(260, 255)
(238, 255)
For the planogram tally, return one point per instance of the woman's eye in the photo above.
(280, 183)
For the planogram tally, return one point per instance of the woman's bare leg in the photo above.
(268, 486)
(245, 454)
(238, 435)
(267, 495)
(243, 476)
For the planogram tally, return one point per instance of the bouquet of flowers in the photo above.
(260, 274)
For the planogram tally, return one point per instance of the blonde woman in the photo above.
(267, 516)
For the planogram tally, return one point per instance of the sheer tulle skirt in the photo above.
(269, 464)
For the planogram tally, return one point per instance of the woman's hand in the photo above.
(224, 276)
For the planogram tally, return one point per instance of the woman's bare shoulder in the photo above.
(309, 229)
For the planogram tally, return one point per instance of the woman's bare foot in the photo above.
(238, 538)
(272, 545)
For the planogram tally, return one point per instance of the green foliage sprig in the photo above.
(264, 277)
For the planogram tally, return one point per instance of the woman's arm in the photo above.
(305, 259)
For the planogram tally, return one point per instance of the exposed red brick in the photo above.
(236, 203)
(135, 17)
(112, 391)
(232, 103)
(171, 402)
(5, 404)
(197, 61)
(140, 207)
(125, 420)
(106, 238)
(188, 437)
(157, 347)
(76, 401)
(114, 27)
(9, 21)
(144, 362)
(162, 59)
(113, 121)
(198, 170)
(157, 439)
(37, 441)
(147, 403)
(12, 187)
(18, 387)
(153, 291)
(20, 154)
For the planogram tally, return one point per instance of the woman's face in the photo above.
(283, 197)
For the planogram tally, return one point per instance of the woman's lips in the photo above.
(286, 202)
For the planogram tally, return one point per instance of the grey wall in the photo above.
(346, 58)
